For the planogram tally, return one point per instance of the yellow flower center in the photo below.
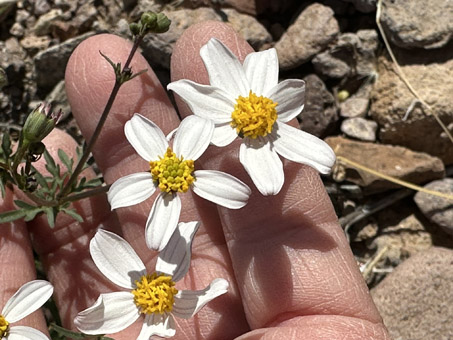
(4, 327)
(155, 294)
(254, 116)
(172, 173)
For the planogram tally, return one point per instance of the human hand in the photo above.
(291, 272)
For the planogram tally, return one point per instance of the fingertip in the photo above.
(187, 49)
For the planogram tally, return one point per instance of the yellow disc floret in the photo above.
(254, 116)
(155, 294)
(172, 174)
(4, 327)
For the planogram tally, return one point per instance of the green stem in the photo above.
(101, 122)
(88, 193)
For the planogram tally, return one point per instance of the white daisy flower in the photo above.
(172, 171)
(153, 295)
(247, 101)
(25, 301)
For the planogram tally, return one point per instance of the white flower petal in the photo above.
(302, 147)
(174, 260)
(261, 69)
(27, 299)
(171, 134)
(116, 259)
(290, 96)
(146, 138)
(193, 137)
(162, 220)
(221, 188)
(188, 303)
(131, 189)
(223, 135)
(162, 325)
(111, 313)
(25, 333)
(224, 69)
(204, 100)
(263, 165)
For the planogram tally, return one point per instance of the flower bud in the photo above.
(163, 23)
(135, 28)
(148, 19)
(39, 123)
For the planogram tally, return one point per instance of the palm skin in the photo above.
(291, 272)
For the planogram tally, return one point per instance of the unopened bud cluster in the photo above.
(150, 22)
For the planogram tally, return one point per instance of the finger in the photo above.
(63, 250)
(16, 263)
(289, 254)
(90, 78)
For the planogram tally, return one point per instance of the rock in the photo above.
(437, 209)
(243, 6)
(58, 99)
(414, 24)
(432, 77)
(157, 48)
(17, 30)
(40, 7)
(85, 17)
(415, 301)
(310, 34)
(33, 44)
(12, 60)
(354, 107)
(352, 54)
(42, 25)
(360, 128)
(319, 115)
(395, 161)
(50, 64)
(365, 6)
(329, 66)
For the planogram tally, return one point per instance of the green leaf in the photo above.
(31, 213)
(66, 332)
(12, 215)
(40, 178)
(24, 205)
(6, 145)
(50, 164)
(51, 214)
(68, 162)
(73, 214)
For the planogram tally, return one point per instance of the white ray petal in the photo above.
(162, 221)
(131, 189)
(302, 147)
(263, 165)
(27, 299)
(261, 69)
(193, 137)
(25, 333)
(111, 313)
(290, 96)
(146, 138)
(174, 259)
(224, 69)
(116, 259)
(162, 325)
(204, 100)
(188, 303)
(223, 135)
(221, 188)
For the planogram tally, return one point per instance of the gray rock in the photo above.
(360, 128)
(417, 24)
(17, 30)
(43, 24)
(157, 48)
(58, 99)
(327, 65)
(34, 44)
(354, 107)
(12, 59)
(437, 209)
(40, 7)
(432, 77)
(395, 161)
(319, 116)
(50, 64)
(313, 30)
(415, 301)
(352, 54)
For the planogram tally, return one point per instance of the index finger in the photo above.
(292, 262)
